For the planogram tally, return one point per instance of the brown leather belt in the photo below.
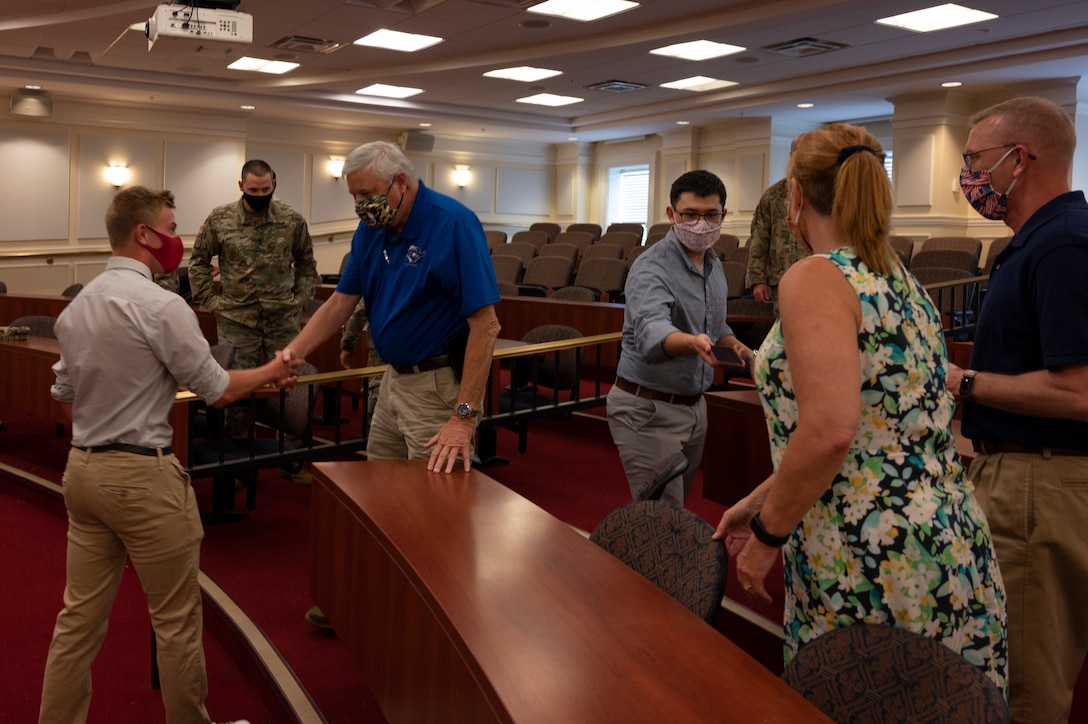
(125, 447)
(427, 365)
(640, 391)
(994, 447)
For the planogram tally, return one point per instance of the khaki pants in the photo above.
(411, 409)
(647, 431)
(143, 508)
(1037, 508)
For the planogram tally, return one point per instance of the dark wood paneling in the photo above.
(737, 457)
(13, 306)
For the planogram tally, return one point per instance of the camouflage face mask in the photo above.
(376, 212)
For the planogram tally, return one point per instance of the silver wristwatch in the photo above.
(464, 410)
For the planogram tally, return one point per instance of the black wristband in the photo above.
(966, 381)
(767, 539)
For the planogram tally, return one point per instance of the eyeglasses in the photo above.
(969, 158)
(712, 217)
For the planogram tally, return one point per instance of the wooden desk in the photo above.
(28, 376)
(13, 306)
(738, 454)
(461, 601)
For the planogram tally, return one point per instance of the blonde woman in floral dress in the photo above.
(869, 497)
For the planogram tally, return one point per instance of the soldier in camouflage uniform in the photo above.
(771, 248)
(267, 268)
(357, 325)
(267, 271)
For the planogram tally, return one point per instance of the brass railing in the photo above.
(347, 437)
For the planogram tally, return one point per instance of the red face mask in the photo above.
(170, 253)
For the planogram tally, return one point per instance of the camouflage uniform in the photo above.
(354, 328)
(169, 282)
(267, 275)
(771, 247)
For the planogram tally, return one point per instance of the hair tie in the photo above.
(850, 151)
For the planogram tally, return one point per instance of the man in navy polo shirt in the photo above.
(420, 261)
(1026, 394)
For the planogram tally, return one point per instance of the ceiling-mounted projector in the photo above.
(202, 23)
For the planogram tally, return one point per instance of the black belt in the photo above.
(427, 365)
(640, 391)
(125, 447)
(994, 447)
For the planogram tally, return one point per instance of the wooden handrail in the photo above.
(48, 255)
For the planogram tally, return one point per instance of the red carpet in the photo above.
(570, 469)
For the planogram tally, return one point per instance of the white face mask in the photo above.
(697, 236)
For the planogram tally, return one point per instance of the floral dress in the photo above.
(898, 537)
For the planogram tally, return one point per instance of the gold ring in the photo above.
(747, 586)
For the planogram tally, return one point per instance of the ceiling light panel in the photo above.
(524, 73)
(938, 17)
(382, 90)
(550, 99)
(582, 10)
(698, 83)
(260, 65)
(698, 50)
(396, 40)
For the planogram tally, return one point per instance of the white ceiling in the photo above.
(81, 50)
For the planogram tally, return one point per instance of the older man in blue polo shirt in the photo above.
(674, 316)
(420, 261)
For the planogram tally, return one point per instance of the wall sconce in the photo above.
(335, 167)
(462, 176)
(117, 174)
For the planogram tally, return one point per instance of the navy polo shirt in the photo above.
(1035, 316)
(421, 285)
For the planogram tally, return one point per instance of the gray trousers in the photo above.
(648, 431)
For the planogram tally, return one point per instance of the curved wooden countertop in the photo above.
(462, 601)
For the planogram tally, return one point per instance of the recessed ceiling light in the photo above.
(32, 86)
(248, 108)
(805, 105)
(388, 91)
(550, 99)
(951, 84)
(424, 124)
(584, 10)
(572, 138)
(683, 123)
(262, 66)
(698, 83)
(937, 17)
(698, 50)
(524, 73)
(395, 40)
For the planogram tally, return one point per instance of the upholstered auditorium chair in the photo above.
(672, 548)
(884, 674)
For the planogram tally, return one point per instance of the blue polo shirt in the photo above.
(421, 285)
(1035, 316)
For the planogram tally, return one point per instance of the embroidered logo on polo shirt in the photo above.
(415, 255)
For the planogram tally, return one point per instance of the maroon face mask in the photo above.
(170, 253)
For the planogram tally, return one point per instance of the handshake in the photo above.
(285, 367)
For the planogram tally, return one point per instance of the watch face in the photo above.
(464, 410)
